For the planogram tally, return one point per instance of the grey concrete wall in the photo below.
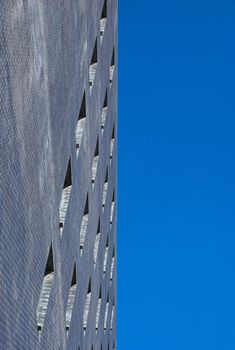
(45, 54)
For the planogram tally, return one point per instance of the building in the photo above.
(58, 174)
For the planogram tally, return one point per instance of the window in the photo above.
(80, 123)
(106, 313)
(111, 69)
(87, 306)
(98, 312)
(97, 242)
(104, 112)
(106, 251)
(112, 316)
(103, 20)
(45, 291)
(112, 209)
(93, 67)
(84, 224)
(65, 196)
(95, 162)
(112, 144)
(105, 188)
(71, 298)
(112, 265)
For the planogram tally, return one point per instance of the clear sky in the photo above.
(176, 219)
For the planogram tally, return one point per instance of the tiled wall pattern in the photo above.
(58, 174)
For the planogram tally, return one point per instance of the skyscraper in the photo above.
(58, 174)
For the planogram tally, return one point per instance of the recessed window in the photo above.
(106, 313)
(112, 144)
(95, 162)
(98, 312)
(80, 123)
(112, 316)
(93, 66)
(111, 69)
(112, 265)
(87, 306)
(112, 209)
(104, 112)
(105, 188)
(71, 298)
(97, 242)
(83, 229)
(65, 196)
(45, 292)
(106, 251)
(103, 20)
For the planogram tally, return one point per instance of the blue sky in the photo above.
(176, 219)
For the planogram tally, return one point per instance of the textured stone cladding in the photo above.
(57, 174)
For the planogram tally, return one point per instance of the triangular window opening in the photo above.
(97, 148)
(106, 251)
(100, 293)
(105, 189)
(45, 292)
(84, 224)
(50, 263)
(104, 112)
(87, 306)
(107, 242)
(86, 209)
(71, 298)
(112, 67)
(95, 162)
(112, 209)
(97, 242)
(104, 10)
(74, 278)
(105, 99)
(68, 177)
(82, 112)
(80, 123)
(107, 175)
(103, 20)
(65, 196)
(89, 287)
(112, 144)
(94, 55)
(113, 58)
(112, 316)
(93, 66)
(106, 313)
(98, 312)
(112, 265)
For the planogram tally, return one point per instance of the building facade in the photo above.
(58, 174)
